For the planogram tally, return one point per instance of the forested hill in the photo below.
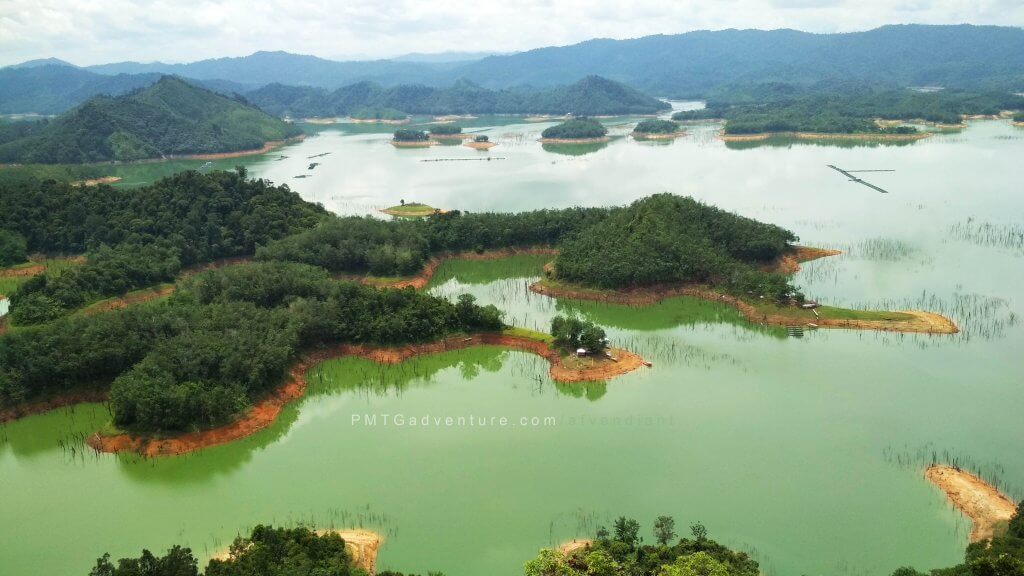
(592, 95)
(170, 117)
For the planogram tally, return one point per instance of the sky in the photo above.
(100, 31)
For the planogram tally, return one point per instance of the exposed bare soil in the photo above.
(983, 503)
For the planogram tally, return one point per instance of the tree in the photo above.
(626, 530)
(178, 562)
(699, 531)
(549, 563)
(13, 248)
(602, 533)
(664, 529)
(1016, 527)
(600, 563)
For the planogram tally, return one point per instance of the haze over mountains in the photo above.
(680, 65)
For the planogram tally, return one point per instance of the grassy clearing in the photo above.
(829, 312)
(10, 284)
(528, 334)
(411, 210)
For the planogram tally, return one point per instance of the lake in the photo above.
(806, 450)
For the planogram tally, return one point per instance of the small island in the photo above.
(1018, 119)
(448, 132)
(575, 131)
(407, 138)
(657, 130)
(481, 142)
(412, 210)
(378, 115)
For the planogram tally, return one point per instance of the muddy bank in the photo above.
(51, 403)
(973, 497)
(481, 145)
(421, 280)
(20, 272)
(264, 412)
(789, 262)
(267, 147)
(921, 322)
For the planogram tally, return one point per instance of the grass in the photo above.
(411, 210)
(528, 334)
(9, 285)
(830, 312)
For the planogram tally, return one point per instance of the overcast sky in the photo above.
(98, 31)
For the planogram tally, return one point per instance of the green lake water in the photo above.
(806, 451)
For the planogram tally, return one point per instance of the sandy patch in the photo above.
(974, 498)
(481, 145)
(378, 121)
(451, 136)
(567, 548)
(361, 544)
(22, 271)
(789, 262)
(263, 413)
(97, 181)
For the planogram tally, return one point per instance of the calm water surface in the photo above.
(805, 451)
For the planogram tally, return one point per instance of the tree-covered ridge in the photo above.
(589, 96)
(842, 107)
(144, 236)
(377, 113)
(171, 117)
(621, 553)
(267, 551)
(576, 129)
(221, 342)
(656, 127)
(668, 239)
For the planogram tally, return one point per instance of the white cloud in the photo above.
(96, 31)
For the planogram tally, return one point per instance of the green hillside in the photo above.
(171, 117)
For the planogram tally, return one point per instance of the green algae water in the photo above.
(806, 450)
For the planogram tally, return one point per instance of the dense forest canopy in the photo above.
(446, 129)
(410, 135)
(222, 341)
(171, 117)
(140, 237)
(576, 129)
(666, 238)
(842, 107)
(377, 113)
(621, 552)
(656, 126)
(591, 95)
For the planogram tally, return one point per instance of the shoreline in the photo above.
(378, 121)
(442, 137)
(480, 145)
(923, 322)
(824, 136)
(983, 503)
(600, 140)
(263, 413)
(659, 136)
(422, 278)
(415, 144)
(51, 403)
(361, 543)
(267, 147)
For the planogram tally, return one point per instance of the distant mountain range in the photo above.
(171, 117)
(591, 96)
(680, 65)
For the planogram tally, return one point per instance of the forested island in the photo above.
(410, 138)
(657, 129)
(575, 130)
(844, 108)
(169, 118)
(592, 95)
